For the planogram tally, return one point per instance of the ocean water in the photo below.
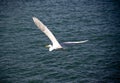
(24, 58)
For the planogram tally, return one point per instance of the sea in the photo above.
(25, 59)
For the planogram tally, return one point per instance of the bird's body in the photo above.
(52, 47)
(55, 43)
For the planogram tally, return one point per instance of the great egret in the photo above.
(55, 43)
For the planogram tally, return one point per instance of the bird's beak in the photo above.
(47, 46)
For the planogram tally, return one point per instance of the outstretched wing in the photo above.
(48, 33)
(76, 42)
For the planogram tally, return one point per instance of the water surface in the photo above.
(24, 59)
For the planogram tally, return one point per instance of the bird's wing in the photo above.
(76, 42)
(48, 33)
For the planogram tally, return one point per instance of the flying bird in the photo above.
(55, 44)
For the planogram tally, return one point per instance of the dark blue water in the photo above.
(24, 59)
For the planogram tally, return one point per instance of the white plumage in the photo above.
(55, 43)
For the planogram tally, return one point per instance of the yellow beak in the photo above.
(47, 46)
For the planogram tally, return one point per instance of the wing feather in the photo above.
(76, 42)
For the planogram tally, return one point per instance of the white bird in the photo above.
(55, 43)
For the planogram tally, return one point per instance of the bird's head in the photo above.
(50, 47)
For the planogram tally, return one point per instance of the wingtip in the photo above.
(34, 18)
(86, 40)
